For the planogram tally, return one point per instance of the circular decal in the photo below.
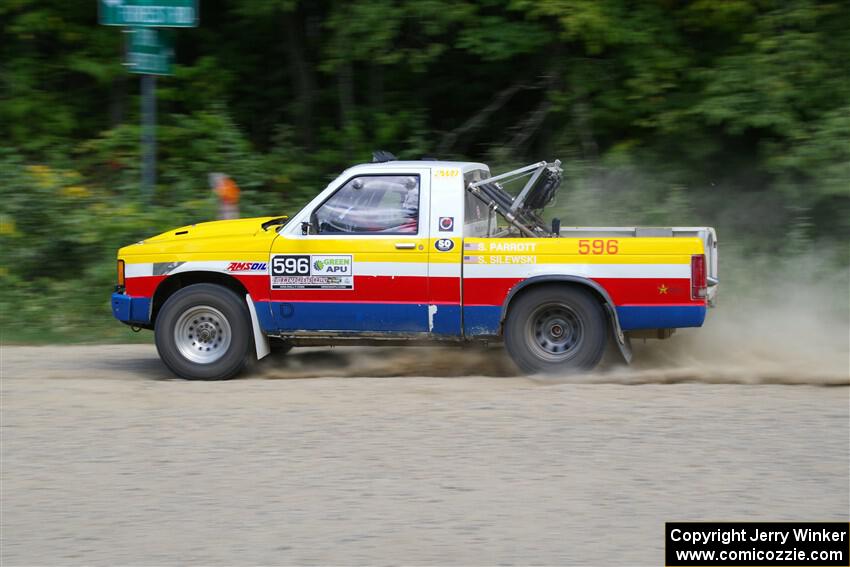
(444, 244)
(447, 224)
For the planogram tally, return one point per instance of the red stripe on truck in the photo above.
(445, 290)
(623, 291)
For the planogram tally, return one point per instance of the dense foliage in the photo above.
(733, 113)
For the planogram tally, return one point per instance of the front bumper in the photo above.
(131, 309)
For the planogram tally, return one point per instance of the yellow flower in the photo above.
(7, 227)
(44, 176)
(75, 191)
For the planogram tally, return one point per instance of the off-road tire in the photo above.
(213, 316)
(556, 329)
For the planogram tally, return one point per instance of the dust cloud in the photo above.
(381, 362)
(786, 324)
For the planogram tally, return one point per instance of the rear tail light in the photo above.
(698, 277)
(120, 272)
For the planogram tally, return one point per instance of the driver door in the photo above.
(363, 267)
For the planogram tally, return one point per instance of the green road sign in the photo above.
(150, 51)
(155, 13)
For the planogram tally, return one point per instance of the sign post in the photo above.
(149, 52)
(148, 135)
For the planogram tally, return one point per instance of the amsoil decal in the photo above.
(304, 271)
(247, 267)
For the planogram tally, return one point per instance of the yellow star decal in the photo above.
(662, 289)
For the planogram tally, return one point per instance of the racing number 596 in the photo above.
(291, 266)
(598, 246)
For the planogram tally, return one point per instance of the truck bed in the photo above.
(706, 234)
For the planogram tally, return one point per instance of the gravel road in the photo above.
(106, 460)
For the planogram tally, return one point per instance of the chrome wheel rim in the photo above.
(202, 334)
(555, 332)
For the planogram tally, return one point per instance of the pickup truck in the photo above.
(405, 252)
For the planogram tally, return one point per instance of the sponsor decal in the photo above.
(336, 265)
(247, 267)
(303, 271)
(444, 244)
(447, 224)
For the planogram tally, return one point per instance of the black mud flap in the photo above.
(624, 344)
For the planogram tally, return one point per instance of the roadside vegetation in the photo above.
(732, 114)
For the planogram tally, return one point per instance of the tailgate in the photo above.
(709, 240)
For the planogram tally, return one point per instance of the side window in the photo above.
(369, 204)
(477, 216)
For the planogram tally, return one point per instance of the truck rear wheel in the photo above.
(203, 332)
(555, 329)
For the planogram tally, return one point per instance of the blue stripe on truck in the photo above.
(634, 317)
(478, 320)
(339, 316)
(482, 320)
(276, 316)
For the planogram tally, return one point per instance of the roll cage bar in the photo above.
(522, 211)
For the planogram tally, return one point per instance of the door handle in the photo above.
(405, 245)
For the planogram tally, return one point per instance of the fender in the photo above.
(622, 341)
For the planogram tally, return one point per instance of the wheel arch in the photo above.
(176, 282)
(596, 289)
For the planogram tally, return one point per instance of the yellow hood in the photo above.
(213, 229)
(240, 235)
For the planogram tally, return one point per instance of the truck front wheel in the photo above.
(554, 329)
(203, 332)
